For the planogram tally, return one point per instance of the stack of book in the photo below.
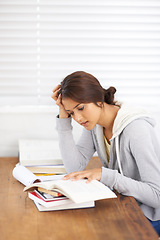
(41, 157)
(41, 170)
(67, 194)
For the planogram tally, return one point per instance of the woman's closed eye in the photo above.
(80, 109)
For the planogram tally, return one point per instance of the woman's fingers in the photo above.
(56, 92)
(57, 98)
(71, 175)
(89, 174)
(55, 95)
(58, 102)
(56, 88)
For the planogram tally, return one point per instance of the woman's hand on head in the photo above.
(92, 174)
(57, 98)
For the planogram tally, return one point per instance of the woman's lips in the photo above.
(84, 123)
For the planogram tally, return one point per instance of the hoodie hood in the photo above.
(126, 115)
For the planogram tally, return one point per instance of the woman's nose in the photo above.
(78, 117)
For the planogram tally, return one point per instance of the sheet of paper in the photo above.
(24, 176)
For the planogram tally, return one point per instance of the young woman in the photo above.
(123, 137)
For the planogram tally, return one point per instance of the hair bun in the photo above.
(111, 90)
(109, 95)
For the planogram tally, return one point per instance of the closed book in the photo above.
(57, 169)
(49, 203)
(72, 205)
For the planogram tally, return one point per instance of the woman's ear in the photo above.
(100, 104)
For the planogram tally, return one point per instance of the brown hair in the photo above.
(82, 87)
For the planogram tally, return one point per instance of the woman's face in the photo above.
(86, 114)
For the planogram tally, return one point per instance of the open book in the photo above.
(26, 177)
(78, 191)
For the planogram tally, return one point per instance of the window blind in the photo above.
(42, 41)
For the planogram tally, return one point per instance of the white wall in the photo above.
(34, 122)
(43, 41)
(28, 122)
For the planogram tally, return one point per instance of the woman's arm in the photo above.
(75, 156)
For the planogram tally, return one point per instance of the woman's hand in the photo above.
(92, 174)
(57, 98)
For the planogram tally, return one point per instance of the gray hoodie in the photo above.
(134, 166)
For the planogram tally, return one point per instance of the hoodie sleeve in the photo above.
(144, 152)
(75, 156)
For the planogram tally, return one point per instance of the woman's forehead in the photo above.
(70, 104)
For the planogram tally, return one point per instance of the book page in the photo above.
(80, 191)
(24, 176)
(49, 185)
